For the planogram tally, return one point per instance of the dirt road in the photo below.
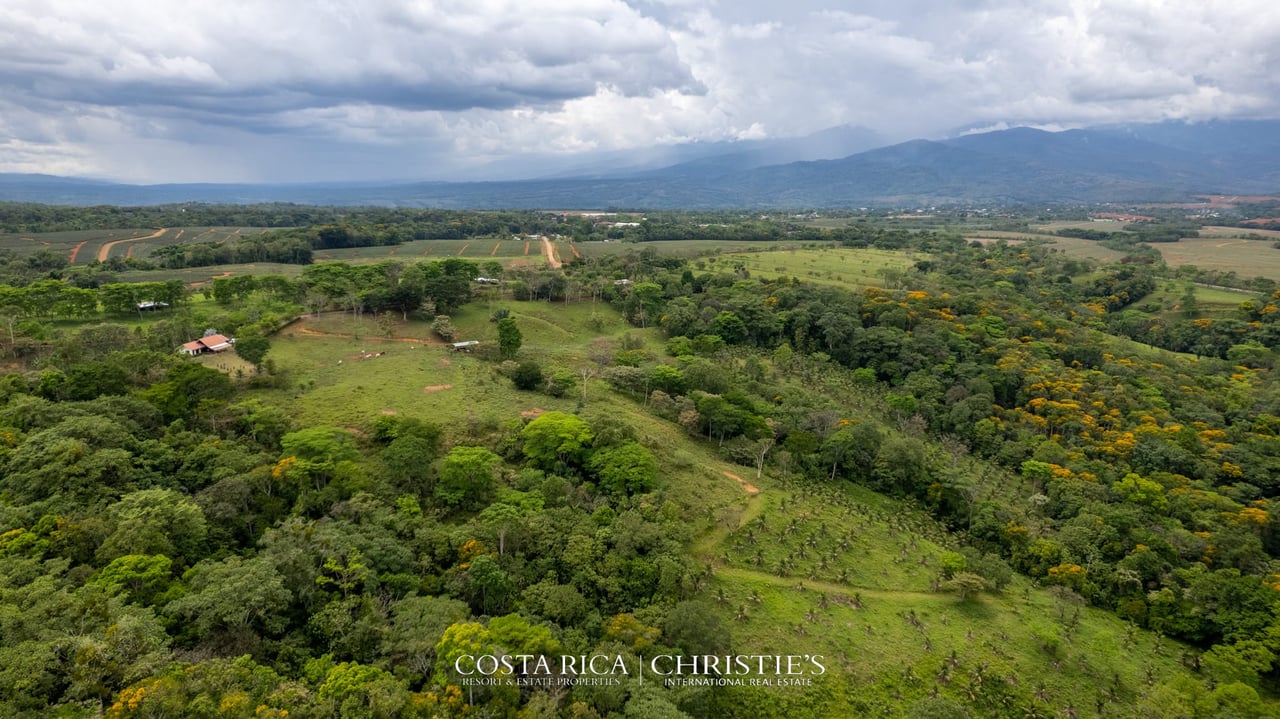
(105, 250)
(550, 252)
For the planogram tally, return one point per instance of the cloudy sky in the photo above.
(307, 90)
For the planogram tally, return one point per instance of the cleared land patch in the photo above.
(1247, 258)
(1239, 232)
(848, 267)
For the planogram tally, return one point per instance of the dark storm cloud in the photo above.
(274, 56)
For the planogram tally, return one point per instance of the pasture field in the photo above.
(1100, 225)
(1212, 302)
(1239, 233)
(676, 248)
(992, 235)
(1085, 249)
(357, 390)
(842, 266)
(1247, 258)
(830, 223)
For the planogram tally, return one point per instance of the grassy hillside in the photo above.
(893, 639)
(796, 567)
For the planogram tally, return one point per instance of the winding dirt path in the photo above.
(747, 486)
(105, 250)
(74, 251)
(550, 252)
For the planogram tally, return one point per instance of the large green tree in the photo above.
(625, 469)
(233, 595)
(466, 476)
(253, 349)
(556, 438)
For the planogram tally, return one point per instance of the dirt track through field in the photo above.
(494, 251)
(105, 251)
(464, 249)
(550, 252)
(748, 487)
(74, 251)
(574, 250)
(526, 247)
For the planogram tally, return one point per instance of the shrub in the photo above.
(443, 326)
(527, 376)
(560, 383)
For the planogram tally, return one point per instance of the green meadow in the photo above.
(840, 266)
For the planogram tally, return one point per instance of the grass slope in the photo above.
(888, 638)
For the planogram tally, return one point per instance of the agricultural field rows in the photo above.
(85, 246)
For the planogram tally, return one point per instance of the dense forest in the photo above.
(173, 545)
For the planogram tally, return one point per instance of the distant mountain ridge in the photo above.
(1158, 162)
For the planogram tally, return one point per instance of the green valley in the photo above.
(895, 471)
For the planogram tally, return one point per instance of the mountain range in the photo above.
(841, 167)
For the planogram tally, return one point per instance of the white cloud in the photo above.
(361, 89)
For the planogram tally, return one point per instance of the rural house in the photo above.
(209, 343)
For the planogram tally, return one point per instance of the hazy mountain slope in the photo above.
(1119, 163)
